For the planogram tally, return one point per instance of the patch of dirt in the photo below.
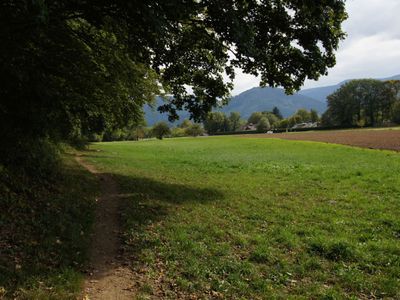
(373, 139)
(109, 276)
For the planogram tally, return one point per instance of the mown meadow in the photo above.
(248, 218)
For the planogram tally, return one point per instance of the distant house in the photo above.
(249, 127)
(305, 125)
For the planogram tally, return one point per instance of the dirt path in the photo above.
(109, 276)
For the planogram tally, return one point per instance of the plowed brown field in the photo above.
(373, 139)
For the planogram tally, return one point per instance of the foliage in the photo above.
(58, 82)
(234, 121)
(178, 132)
(300, 116)
(219, 122)
(365, 102)
(277, 113)
(304, 115)
(396, 112)
(194, 130)
(314, 117)
(45, 232)
(272, 118)
(284, 123)
(263, 125)
(160, 130)
(206, 217)
(185, 124)
(255, 117)
(295, 119)
(78, 68)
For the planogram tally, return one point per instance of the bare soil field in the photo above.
(373, 139)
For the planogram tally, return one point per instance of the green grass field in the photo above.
(240, 218)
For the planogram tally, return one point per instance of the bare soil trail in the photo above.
(109, 276)
(373, 139)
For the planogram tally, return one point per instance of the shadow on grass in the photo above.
(44, 234)
(137, 203)
(145, 201)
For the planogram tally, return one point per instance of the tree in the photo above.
(160, 130)
(185, 124)
(215, 122)
(255, 117)
(178, 132)
(393, 92)
(272, 119)
(396, 112)
(314, 116)
(361, 102)
(234, 120)
(304, 115)
(79, 67)
(295, 119)
(263, 125)
(277, 113)
(195, 130)
(283, 124)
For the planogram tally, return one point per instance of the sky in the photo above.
(370, 50)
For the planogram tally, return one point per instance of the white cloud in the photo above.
(371, 49)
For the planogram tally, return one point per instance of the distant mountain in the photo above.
(395, 77)
(255, 99)
(261, 99)
(321, 93)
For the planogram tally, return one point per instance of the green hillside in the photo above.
(261, 99)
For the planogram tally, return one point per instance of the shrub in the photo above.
(263, 125)
(178, 132)
(160, 130)
(194, 130)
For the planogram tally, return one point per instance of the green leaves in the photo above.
(78, 68)
(364, 102)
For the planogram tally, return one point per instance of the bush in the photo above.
(94, 137)
(178, 132)
(160, 130)
(194, 130)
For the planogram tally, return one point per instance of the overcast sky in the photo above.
(371, 49)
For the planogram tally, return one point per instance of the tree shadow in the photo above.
(142, 203)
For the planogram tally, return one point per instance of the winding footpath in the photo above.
(109, 276)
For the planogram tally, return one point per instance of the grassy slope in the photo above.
(45, 230)
(259, 218)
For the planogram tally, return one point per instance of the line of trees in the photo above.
(159, 130)
(364, 102)
(261, 121)
(273, 120)
(220, 122)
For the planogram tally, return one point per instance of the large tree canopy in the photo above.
(363, 102)
(79, 65)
